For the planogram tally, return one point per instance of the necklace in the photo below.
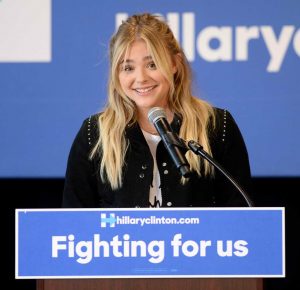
(148, 129)
(152, 132)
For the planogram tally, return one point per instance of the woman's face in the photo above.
(141, 80)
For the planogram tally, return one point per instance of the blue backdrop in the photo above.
(244, 54)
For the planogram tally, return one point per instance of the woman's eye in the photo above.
(152, 65)
(127, 68)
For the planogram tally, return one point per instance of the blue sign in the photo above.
(223, 242)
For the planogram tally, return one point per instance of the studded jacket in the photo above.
(84, 188)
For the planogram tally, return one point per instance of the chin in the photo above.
(148, 105)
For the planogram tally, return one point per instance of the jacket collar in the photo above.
(134, 131)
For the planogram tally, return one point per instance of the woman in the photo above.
(118, 160)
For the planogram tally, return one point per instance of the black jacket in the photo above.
(83, 187)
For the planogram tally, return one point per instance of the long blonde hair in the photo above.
(120, 111)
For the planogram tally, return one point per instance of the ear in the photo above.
(174, 69)
(176, 61)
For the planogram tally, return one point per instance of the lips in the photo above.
(144, 90)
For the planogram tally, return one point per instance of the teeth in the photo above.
(145, 90)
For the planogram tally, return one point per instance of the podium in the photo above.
(150, 249)
(152, 284)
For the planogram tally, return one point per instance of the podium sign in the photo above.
(118, 243)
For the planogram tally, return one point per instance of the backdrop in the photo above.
(54, 64)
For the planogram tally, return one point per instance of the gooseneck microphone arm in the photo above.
(198, 149)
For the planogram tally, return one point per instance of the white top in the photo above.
(155, 197)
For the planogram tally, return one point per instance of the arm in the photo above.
(80, 189)
(233, 156)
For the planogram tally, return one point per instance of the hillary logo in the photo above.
(111, 220)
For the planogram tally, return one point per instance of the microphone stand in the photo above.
(198, 149)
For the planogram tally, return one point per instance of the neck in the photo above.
(145, 123)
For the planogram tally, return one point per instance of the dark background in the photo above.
(47, 193)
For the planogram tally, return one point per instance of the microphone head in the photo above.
(156, 113)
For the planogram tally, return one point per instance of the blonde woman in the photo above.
(117, 158)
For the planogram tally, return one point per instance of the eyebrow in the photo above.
(146, 58)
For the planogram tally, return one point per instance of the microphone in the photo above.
(172, 142)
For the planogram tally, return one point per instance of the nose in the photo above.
(141, 76)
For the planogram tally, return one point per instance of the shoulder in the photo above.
(223, 123)
(226, 131)
(222, 114)
(91, 121)
(88, 132)
(91, 128)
